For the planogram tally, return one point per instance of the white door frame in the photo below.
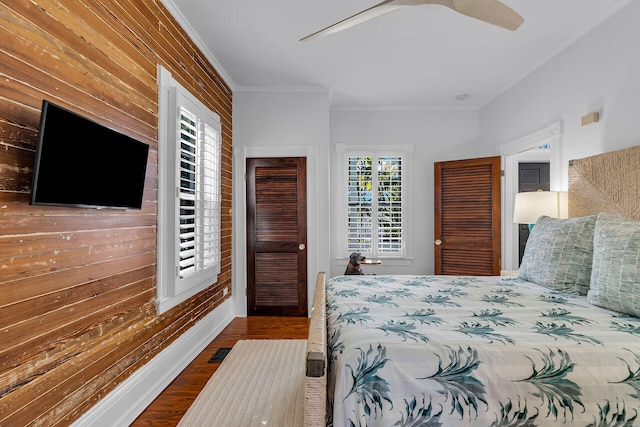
(511, 154)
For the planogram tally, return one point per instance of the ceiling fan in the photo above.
(491, 11)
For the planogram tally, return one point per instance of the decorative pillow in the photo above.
(615, 278)
(559, 254)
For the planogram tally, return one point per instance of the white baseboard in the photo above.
(124, 404)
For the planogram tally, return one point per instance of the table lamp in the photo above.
(530, 206)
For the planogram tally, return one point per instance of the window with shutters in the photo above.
(189, 194)
(374, 213)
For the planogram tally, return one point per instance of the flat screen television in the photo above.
(82, 163)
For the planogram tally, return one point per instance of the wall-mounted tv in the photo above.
(82, 163)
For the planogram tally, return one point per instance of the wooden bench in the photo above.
(315, 393)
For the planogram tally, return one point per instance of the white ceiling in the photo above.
(417, 57)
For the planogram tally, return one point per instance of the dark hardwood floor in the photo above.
(173, 402)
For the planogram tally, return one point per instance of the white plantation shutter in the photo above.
(360, 205)
(198, 194)
(188, 164)
(189, 194)
(389, 191)
(375, 204)
(211, 198)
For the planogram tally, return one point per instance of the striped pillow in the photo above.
(559, 254)
(615, 278)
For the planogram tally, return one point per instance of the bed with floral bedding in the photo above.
(557, 345)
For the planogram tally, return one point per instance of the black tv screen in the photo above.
(82, 163)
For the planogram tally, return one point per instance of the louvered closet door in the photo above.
(467, 217)
(277, 236)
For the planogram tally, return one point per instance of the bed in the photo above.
(481, 351)
(557, 345)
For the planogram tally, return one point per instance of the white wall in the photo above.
(436, 136)
(281, 124)
(599, 72)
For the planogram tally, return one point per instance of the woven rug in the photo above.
(260, 382)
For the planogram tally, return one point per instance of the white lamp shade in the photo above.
(532, 205)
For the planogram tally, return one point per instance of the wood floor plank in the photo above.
(167, 409)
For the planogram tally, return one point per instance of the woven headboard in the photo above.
(608, 182)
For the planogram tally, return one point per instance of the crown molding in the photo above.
(195, 37)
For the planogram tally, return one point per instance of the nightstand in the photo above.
(509, 272)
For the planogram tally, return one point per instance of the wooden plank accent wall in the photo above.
(78, 286)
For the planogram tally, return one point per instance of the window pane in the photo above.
(188, 151)
(359, 204)
(374, 205)
(209, 199)
(199, 195)
(389, 205)
(186, 234)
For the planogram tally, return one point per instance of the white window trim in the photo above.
(403, 150)
(170, 289)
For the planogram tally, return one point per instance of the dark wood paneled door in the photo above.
(531, 177)
(277, 236)
(467, 217)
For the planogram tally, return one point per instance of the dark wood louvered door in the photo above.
(277, 237)
(467, 217)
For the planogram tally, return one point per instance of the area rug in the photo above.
(260, 382)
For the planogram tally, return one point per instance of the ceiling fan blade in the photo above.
(491, 11)
(366, 15)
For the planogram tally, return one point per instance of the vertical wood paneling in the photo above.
(467, 217)
(276, 236)
(77, 286)
(272, 288)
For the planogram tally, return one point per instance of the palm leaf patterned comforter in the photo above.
(476, 351)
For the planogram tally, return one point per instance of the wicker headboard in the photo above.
(608, 182)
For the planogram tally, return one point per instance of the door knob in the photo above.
(438, 242)
(301, 246)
